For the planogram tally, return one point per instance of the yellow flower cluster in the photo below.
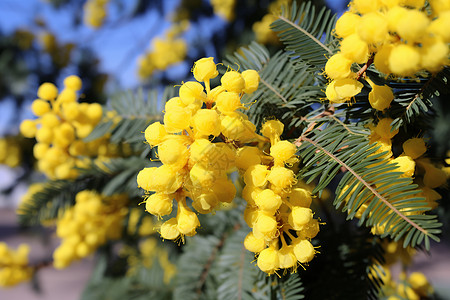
(196, 166)
(149, 252)
(399, 37)
(224, 8)
(10, 152)
(165, 52)
(278, 207)
(61, 125)
(94, 12)
(263, 33)
(412, 287)
(193, 165)
(92, 221)
(14, 267)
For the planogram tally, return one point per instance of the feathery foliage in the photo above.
(235, 272)
(135, 113)
(392, 200)
(284, 90)
(307, 34)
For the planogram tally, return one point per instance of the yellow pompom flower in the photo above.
(404, 60)
(224, 190)
(406, 165)
(268, 201)
(73, 82)
(191, 91)
(310, 230)
(47, 91)
(248, 156)
(50, 120)
(206, 122)
(162, 179)
(228, 102)
(40, 107)
(281, 177)
(412, 25)
(434, 177)
(173, 152)
(66, 96)
(205, 202)
(342, 90)
(372, 28)
(251, 78)
(364, 6)
(304, 251)
(205, 69)
(272, 130)
(384, 128)
(202, 176)
(419, 283)
(176, 119)
(299, 217)
(287, 257)
(347, 24)
(169, 229)
(434, 54)
(159, 204)
(202, 150)
(265, 226)
(268, 260)
(381, 59)
(355, 49)
(28, 128)
(155, 133)
(300, 197)
(233, 81)
(256, 175)
(283, 151)
(380, 97)
(414, 147)
(187, 221)
(94, 112)
(254, 244)
(440, 25)
(338, 66)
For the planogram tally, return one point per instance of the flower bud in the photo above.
(47, 91)
(304, 251)
(233, 81)
(227, 102)
(251, 243)
(268, 260)
(268, 201)
(299, 217)
(159, 204)
(169, 229)
(190, 91)
(73, 82)
(251, 78)
(205, 69)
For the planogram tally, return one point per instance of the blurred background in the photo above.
(115, 45)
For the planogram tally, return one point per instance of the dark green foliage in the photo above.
(306, 31)
(368, 177)
(341, 268)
